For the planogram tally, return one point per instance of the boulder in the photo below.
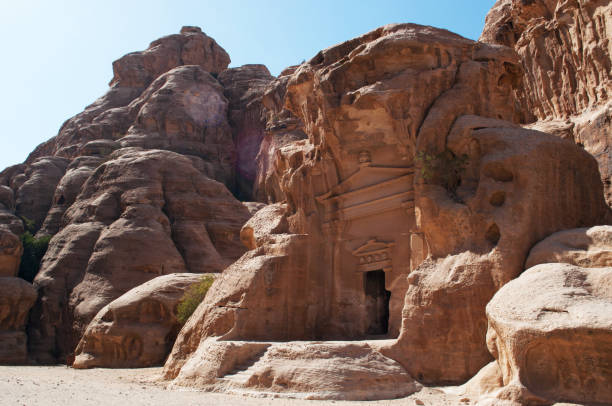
(311, 370)
(140, 215)
(584, 247)
(550, 331)
(16, 298)
(137, 329)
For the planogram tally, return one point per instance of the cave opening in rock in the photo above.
(377, 303)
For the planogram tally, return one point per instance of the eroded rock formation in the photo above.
(551, 333)
(137, 329)
(16, 298)
(339, 259)
(139, 215)
(565, 50)
(584, 247)
(395, 181)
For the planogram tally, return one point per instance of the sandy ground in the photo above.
(59, 385)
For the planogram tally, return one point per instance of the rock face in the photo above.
(584, 247)
(565, 51)
(339, 259)
(106, 118)
(551, 333)
(10, 252)
(16, 298)
(244, 88)
(478, 242)
(311, 370)
(137, 329)
(126, 188)
(139, 215)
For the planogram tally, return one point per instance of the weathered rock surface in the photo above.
(332, 261)
(10, 252)
(479, 238)
(139, 215)
(108, 118)
(68, 188)
(551, 333)
(312, 370)
(34, 195)
(137, 329)
(184, 111)
(584, 247)
(566, 53)
(16, 298)
(244, 87)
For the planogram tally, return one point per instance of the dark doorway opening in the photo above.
(377, 303)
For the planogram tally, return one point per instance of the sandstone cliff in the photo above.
(566, 52)
(405, 179)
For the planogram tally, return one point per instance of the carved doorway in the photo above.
(377, 303)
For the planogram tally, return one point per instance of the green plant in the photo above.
(444, 169)
(192, 298)
(29, 225)
(33, 251)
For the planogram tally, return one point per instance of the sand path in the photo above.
(59, 385)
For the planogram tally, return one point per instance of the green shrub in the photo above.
(192, 298)
(33, 251)
(444, 169)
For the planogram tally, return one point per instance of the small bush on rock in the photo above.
(444, 169)
(192, 298)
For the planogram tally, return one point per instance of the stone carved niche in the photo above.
(374, 255)
(366, 221)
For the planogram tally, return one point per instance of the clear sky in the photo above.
(57, 54)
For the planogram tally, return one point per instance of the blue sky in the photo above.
(57, 55)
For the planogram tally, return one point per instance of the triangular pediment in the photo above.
(372, 246)
(366, 177)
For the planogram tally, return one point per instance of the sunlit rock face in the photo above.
(342, 257)
(551, 333)
(565, 51)
(141, 214)
(137, 185)
(138, 328)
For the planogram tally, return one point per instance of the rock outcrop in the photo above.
(339, 259)
(126, 188)
(551, 333)
(565, 50)
(479, 237)
(16, 298)
(584, 247)
(139, 215)
(311, 370)
(137, 329)
(10, 252)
